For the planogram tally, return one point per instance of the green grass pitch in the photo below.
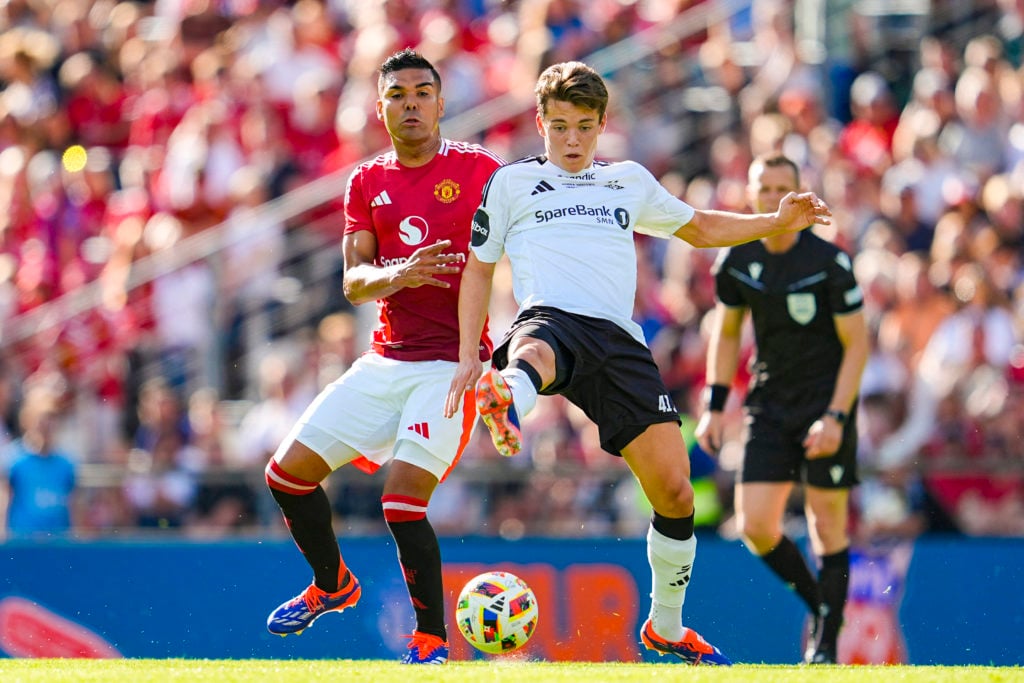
(503, 670)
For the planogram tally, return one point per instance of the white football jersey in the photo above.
(569, 236)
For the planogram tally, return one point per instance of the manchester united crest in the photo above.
(447, 191)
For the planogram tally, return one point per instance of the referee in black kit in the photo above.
(812, 345)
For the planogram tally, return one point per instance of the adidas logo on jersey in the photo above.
(542, 186)
(381, 199)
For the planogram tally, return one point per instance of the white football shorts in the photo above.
(364, 415)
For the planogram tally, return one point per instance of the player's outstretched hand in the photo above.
(466, 375)
(799, 211)
(426, 263)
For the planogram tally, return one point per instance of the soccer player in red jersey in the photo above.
(408, 215)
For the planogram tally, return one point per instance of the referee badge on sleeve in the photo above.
(801, 307)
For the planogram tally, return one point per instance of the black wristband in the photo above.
(837, 415)
(717, 395)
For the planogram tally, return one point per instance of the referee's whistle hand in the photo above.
(822, 440)
(709, 432)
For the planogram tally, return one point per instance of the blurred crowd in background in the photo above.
(170, 301)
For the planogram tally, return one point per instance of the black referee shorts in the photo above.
(774, 449)
(601, 369)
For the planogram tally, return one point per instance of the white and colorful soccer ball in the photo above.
(497, 612)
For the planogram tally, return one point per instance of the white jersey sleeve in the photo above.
(663, 213)
(491, 221)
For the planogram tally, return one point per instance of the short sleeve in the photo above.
(727, 288)
(663, 213)
(357, 209)
(491, 220)
(844, 293)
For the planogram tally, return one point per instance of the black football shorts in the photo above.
(602, 369)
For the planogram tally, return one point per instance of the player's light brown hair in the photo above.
(572, 82)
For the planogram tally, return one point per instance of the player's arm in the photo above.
(365, 281)
(710, 228)
(474, 299)
(722, 363)
(826, 434)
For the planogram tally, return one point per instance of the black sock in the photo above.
(680, 528)
(834, 579)
(309, 520)
(789, 564)
(420, 557)
(530, 371)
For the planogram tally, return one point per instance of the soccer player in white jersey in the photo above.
(408, 215)
(566, 222)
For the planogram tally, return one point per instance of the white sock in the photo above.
(524, 394)
(671, 562)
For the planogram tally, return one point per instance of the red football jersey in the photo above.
(409, 208)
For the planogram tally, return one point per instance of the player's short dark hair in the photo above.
(572, 82)
(775, 160)
(406, 59)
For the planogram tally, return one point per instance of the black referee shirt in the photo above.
(792, 297)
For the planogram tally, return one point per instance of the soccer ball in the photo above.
(497, 612)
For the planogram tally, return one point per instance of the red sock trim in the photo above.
(280, 480)
(403, 508)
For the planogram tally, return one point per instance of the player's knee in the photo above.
(538, 355)
(675, 498)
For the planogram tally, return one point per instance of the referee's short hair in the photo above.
(774, 160)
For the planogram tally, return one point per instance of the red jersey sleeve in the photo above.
(357, 209)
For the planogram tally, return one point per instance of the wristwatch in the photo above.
(837, 415)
